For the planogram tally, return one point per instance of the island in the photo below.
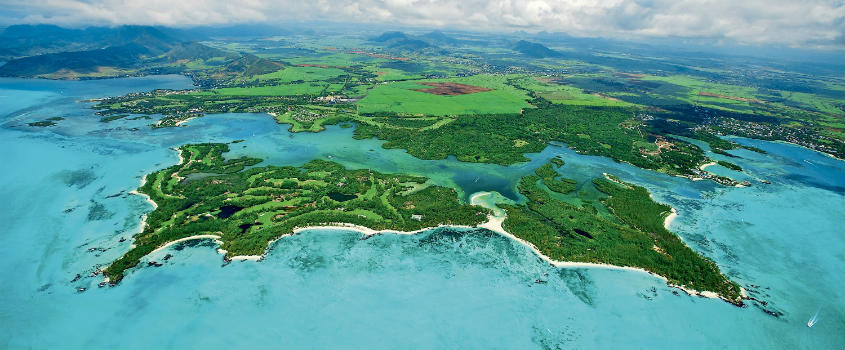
(245, 207)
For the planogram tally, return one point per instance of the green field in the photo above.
(568, 95)
(387, 74)
(398, 97)
(310, 88)
(301, 74)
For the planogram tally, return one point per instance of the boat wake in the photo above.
(814, 319)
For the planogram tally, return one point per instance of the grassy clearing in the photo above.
(569, 95)
(301, 74)
(399, 97)
(335, 59)
(388, 74)
(310, 88)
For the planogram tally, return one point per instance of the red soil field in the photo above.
(451, 89)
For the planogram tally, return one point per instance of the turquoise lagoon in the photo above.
(66, 208)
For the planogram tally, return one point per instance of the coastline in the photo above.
(339, 226)
(671, 217)
(143, 224)
(216, 239)
(493, 223)
(804, 147)
(704, 166)
(183, 121)
(146, 197)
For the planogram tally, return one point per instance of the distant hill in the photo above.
(402, 41)
(250, 65)
(93, 49)
(388, 36)
(31, 40)
(439, 38)
(409, 44)
(125, 56)
(27, 40)
(534, 49)
(230, 31)
(192, 51)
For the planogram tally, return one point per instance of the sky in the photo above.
(793, 23)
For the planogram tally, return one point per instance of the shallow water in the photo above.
(66, 207)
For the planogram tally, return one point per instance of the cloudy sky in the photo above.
(797, 23)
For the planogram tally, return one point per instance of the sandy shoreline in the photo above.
(216, 239)
(183, 121)
(147, 197)
(473, 199)
(670, 218)
(144, 195)
(705, 165)
(143, 224)
(493, 223)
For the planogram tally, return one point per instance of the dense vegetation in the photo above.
(548, 174)
(633, 235)
(505, 138)
(47, 122)
(247, 208)
(729, 165)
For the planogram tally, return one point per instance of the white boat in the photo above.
(813, 320)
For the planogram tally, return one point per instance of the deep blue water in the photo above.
(66, 208)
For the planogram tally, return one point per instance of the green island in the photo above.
(246, 207)
(625, 229)
(46, 122)
(729, 165)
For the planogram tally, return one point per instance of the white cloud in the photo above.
(786, 22)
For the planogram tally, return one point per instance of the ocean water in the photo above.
(66, 208)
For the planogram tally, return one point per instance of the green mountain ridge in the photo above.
(119, 49)
(534, 49)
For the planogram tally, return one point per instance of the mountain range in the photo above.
(37, 50)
